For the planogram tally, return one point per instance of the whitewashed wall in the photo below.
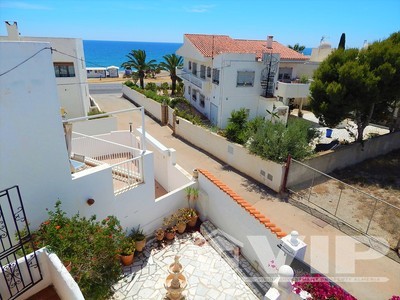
(53, 272)
(96, 126)
(264, 171)
(258, 244)
(73, 92)
(33, 153)
(152, 107)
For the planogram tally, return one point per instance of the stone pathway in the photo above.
(209, 276)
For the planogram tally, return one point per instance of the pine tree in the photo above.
(342, 41)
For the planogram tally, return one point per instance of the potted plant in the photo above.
(139, 238)
(160, 233)
(127, 251)
(194, 194)
(170, 232)
(188, 191)
(193, 216)
(170, 229)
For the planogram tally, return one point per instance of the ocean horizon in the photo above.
(113, 53)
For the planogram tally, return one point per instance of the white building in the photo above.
(222, 74)
(96, 72)
(69, 69)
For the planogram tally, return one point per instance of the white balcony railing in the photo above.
(292, 90)
(187, 75)
(125, 162)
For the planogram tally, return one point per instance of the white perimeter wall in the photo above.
(152, 107)
(258, 244)
(264, 171)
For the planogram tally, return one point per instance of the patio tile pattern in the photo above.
(208, 274)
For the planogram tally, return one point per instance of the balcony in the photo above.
(126, 163)
(188, 76)
(292, 90)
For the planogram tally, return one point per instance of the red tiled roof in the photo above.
(244, 204)
(211, 45)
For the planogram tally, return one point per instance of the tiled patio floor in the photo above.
(209, 276)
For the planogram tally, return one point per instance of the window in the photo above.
(190, 65)
(203, 71)
(194, 70)
(189, 90)
(194, 95)
(245, 78)
(202, 100)
(215, 76)
(64, 69)
(208, 72)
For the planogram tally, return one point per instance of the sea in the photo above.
(113, 53)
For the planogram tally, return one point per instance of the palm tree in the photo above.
(297, 47)
(170, 63)
(137, 60)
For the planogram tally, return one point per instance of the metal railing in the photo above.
(127, 174)
(349, 207)
(125, 162)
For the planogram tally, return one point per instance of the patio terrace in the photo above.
(211, 265)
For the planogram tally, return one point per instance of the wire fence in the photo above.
(351, 210)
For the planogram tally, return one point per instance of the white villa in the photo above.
(112, 173)
(222, 74)
(69, 68)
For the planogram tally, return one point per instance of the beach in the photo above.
(160, 78)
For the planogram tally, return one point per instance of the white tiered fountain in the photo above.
(175, 282)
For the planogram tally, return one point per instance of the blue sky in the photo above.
(289, 21)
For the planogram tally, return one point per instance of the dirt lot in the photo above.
(358, 201)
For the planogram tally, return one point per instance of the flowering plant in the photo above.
(319, 287)
(90, 245)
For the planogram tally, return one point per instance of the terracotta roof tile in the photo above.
(211, 45)
(243, 203)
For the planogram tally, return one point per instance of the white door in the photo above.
(213, 114)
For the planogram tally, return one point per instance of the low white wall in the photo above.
(166, 172)
(258, 244)
(344, 157)
(171, 116)
(96, 126)
(264, 171)
(53, 272)
(152, 107)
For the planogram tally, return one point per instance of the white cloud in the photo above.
(200, 8)
(22, 5)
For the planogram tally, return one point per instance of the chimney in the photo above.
(12, 30)
(270, 39)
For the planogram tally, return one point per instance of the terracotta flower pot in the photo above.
(170, 235)
(127, 260)
(181, 227)
(160, 236)
(139, 245)
(193, 221)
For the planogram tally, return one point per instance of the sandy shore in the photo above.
(160, 78)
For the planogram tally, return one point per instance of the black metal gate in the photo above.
(15, 240)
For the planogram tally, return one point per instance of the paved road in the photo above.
(105, 88)
(284, 215)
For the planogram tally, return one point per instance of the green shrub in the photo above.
(91, 246)
(129, 83)
(276, 141)
(235, 131)
(151, 86)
